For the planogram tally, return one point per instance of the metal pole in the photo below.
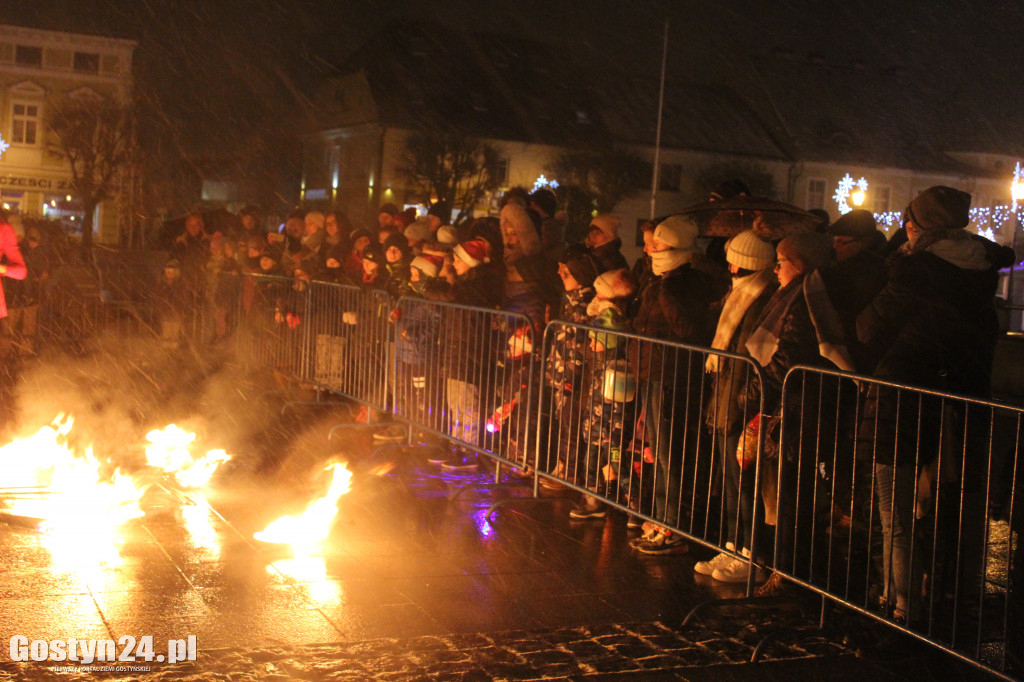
(657, 137)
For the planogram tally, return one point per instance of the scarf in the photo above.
(669, 260)
(763, 343)
(745, 290)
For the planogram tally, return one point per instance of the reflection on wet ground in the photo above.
(412, 554)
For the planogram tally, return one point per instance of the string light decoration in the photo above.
(4, 146)
(544, 182)
(844, 190)
(986, 220)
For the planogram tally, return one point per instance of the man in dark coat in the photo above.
(603, 241)
(934, 326)
(858, 273)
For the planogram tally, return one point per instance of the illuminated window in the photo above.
(87, 62)
(27, 55)
(816, 188)
(24, 123)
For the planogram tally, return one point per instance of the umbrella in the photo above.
(730, 217)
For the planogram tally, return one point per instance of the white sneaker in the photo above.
(709, 567)
(737, 570)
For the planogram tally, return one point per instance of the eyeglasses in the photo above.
(780, 261)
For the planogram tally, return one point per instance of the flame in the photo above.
(168, 450)
(312, 525)
(45, 478)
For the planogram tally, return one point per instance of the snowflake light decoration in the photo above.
(544, 182)
(3, 146)
(844, 189)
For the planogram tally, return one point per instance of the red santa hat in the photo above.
(473, 253)
(427, 264)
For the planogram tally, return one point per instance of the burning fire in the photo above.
(51, 485)
(312, 525)
(46, 480)
(168, 450)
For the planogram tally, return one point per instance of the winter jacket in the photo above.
(934, 325)
(675, 307)
(725, 409)
(852, 284)
(609, 256)
(12, 258)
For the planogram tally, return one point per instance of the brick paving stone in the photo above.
(611, 664)
(549, 656)
(522, 646)
(730, 648)
(635, 649)
(586, 648)
(617, 639)
(511, 671)
(468, 640)
(495, 654)
(702, 656)
(660, 661)
(668, 642)
(563, 635)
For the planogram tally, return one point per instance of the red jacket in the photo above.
(11, 257)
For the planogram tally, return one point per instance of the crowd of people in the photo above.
(785, 289)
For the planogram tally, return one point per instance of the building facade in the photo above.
(37, 69)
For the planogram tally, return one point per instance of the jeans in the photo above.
(658, 431)
(896, 487)
(739, 491)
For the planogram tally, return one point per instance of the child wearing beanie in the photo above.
(607, 423)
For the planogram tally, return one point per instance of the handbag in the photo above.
(746, 449)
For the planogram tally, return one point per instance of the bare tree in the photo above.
(595, 180)
(457, 169)
(94, 136)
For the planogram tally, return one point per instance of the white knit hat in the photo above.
(608, 224)
(678, 231)
(614, 284)
(446, 234)
(748, 251)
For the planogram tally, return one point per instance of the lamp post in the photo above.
(1016, 194)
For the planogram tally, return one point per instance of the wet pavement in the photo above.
(420, 577)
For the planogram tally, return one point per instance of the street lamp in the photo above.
(1016, 194)
(858, 197)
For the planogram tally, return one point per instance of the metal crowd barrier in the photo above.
(645, 426)
(899, 502)
(271, 332)
(330, 336)
(467, 375)
(348, 337)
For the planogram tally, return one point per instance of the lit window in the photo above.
(87, 62)
(27, 55)
(24, 123)
(815, 193)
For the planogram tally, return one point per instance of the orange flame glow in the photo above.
(312, 525)
(169, 450)
(46, 479)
